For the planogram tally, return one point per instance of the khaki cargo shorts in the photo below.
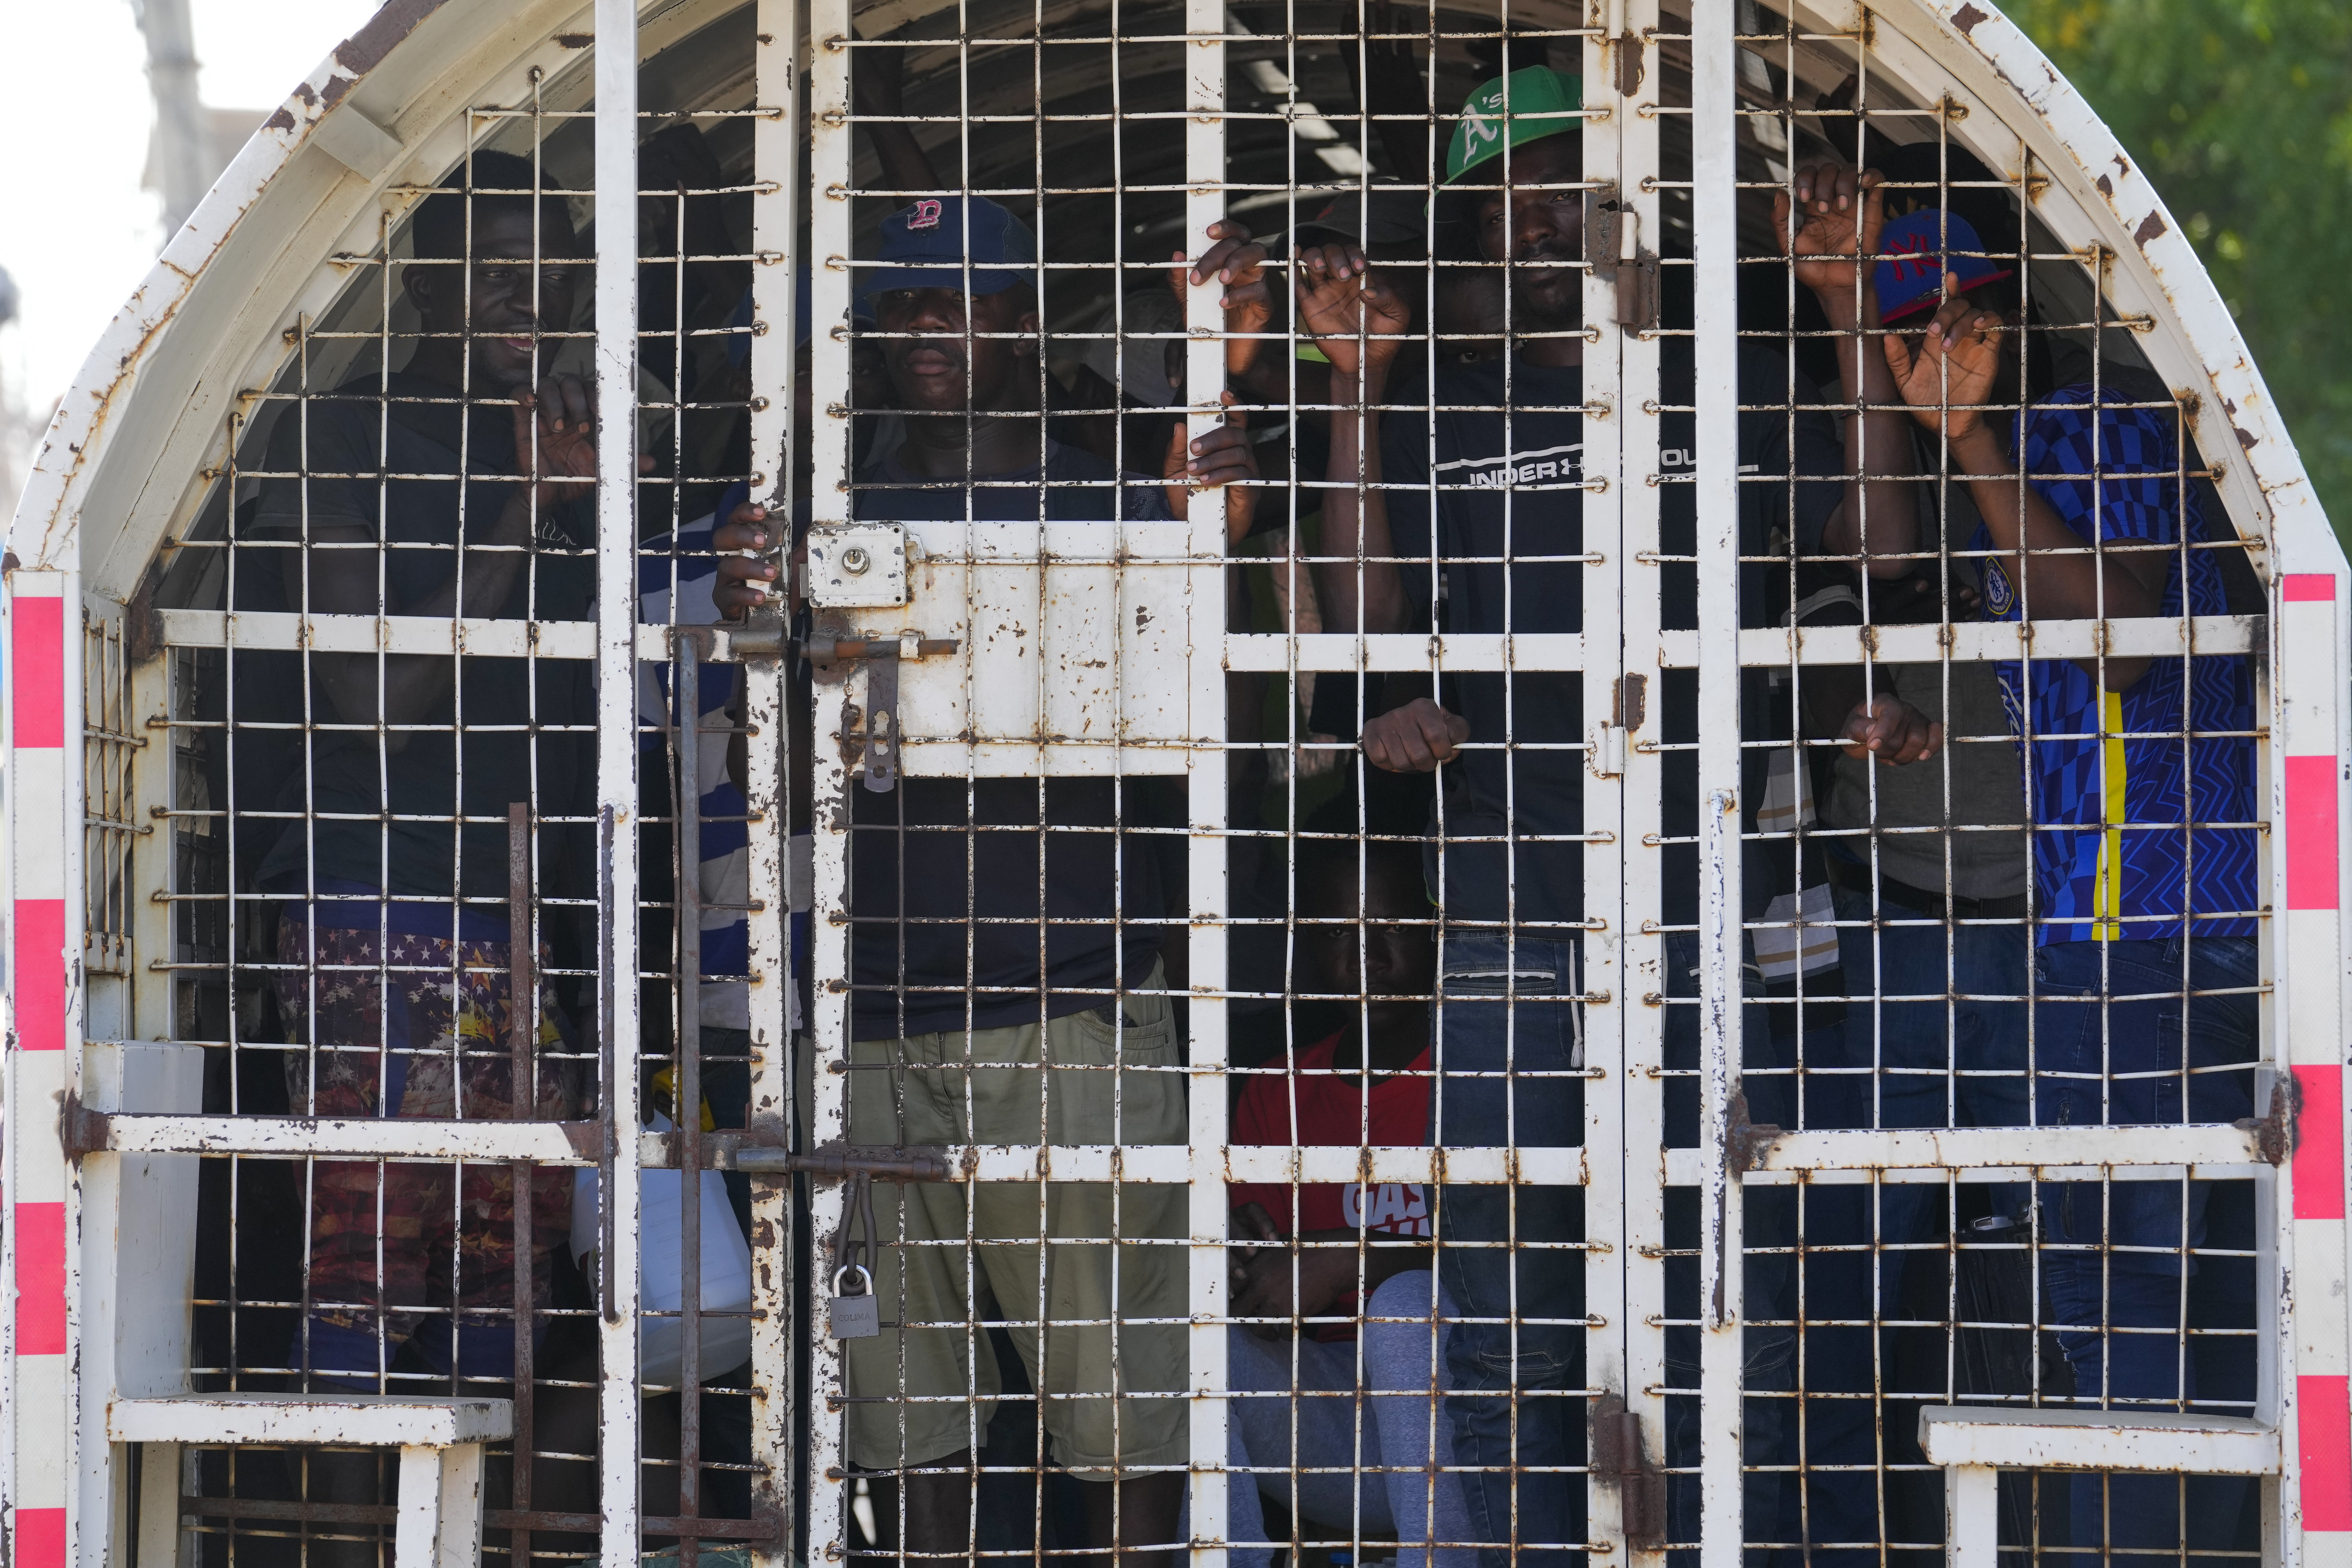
(1037, 1260)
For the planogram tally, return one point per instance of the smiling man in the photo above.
(1494, 504)
(1460, 509)
(456, 486)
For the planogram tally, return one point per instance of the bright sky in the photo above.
(75, 231)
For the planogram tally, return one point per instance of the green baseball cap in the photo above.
(1542, 102)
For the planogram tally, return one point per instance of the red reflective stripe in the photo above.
(2311, 825)
(40, 1278)
(40, 966)
(2319, 1143)
(36, 644)
(2325, 1429)
(2301, 586)
(40, 1538)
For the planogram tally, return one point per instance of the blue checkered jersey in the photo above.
(2117, 778)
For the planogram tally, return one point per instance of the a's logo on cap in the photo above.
(926, 214)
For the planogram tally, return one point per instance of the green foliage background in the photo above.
(2241, 111)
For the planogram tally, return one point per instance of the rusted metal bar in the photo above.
(686, 1105)
(839, 1160)
(1714, 221)
(877, 647)
(522, 1031)
(349, 1138)
(620, 1412)
(522, 1042)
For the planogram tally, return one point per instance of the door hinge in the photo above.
(2274, 1132)
(80, 1130)
(1618, 1461)
(1609, 751)
(1746, 1142)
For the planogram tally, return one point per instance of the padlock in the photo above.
(858, 1317)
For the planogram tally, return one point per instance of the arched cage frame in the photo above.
(104, 1092)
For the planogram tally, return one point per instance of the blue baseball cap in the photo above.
(1916, 246)
(924, 246)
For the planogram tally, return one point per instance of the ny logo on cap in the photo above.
(1912, 256)
(926, 214)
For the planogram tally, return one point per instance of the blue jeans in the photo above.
(1919, 1046)
(1772, 1506)
(1505, 1076)
(2085, 1050)
(1367, 1451)
(1894, 1063)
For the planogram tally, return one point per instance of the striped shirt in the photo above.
(683, 578)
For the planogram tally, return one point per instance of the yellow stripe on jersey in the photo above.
(2107, 897)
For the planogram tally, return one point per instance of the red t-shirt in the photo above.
(1332, 1109)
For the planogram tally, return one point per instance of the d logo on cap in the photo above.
(926, 214)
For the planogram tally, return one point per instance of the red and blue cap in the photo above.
(1918, 246)
(924, 246)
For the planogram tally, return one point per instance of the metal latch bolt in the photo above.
(882, 657)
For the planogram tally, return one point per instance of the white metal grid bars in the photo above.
(1719, 649)
(620, 1241)
(1740, 1284)
(143, 1130)
(2102, 1286)
(1210, 1163)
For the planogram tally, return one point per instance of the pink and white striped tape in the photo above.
(2311, 777)
(41, 963)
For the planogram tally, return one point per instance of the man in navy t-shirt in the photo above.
(1002, 926)
(453, 486)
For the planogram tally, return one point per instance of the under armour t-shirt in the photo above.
(1527, 802)
(1497, 456)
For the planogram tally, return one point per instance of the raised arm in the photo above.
(1223, 456)
(1946, 375)
(1838, 214)
(1358, 322)
(879, 85)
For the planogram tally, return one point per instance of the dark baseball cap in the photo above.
(1385, 216)
(924, 246)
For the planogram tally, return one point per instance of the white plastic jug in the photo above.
(726, 1268)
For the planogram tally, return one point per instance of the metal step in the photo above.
(440, 1443)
